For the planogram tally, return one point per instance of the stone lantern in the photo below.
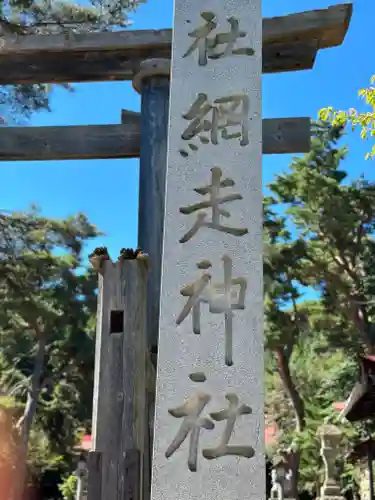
(330, 436)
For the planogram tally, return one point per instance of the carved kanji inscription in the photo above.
(193, 423)
(217, 45)
(229, 415)
(222, 298)
(226, 118)
(212, 207)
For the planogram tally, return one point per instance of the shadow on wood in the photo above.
(280, 135)
(290, 43)
(119, 402)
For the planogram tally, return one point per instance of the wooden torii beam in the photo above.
(290, 43)
(88, 142)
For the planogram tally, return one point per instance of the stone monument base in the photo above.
(331, 492)
(330, 497)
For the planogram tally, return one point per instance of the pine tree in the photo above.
(42, 17)
(318, 234)
(47, 311)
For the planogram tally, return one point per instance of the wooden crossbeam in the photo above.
(290, 43)
(328, 26)
(280, 135)
(114, 65)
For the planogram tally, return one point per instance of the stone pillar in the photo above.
(152, 82)
(209, 417)
(330, 437)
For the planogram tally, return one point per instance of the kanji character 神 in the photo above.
(222, 298)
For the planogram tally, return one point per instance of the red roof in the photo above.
(271, 434)
(86, 442)
(339, 405)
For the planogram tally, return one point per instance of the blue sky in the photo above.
(107, 190)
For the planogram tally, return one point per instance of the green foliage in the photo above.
(68, 487)
(365, 121)
(41, 457)
(318, 233)
(44, 280)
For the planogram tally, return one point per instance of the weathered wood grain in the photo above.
(130, 486)
(153, 83)
(328, 26)
(290, 43)
(286, 135)
(281, 58)
(150, 403)
(119, 419)
(280, 135)
(117, 65)
(70, 67)
(70, 142)
(152, 165)
(95, 475)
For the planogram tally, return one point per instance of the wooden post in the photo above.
(119, 409)
(94, 487)
(152, 82)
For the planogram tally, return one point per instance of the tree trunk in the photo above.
(294, 460)
(290, 389)
(299, 412)
(358, 314)
(25, 423)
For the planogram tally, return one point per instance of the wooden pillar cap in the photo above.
(150, 68)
